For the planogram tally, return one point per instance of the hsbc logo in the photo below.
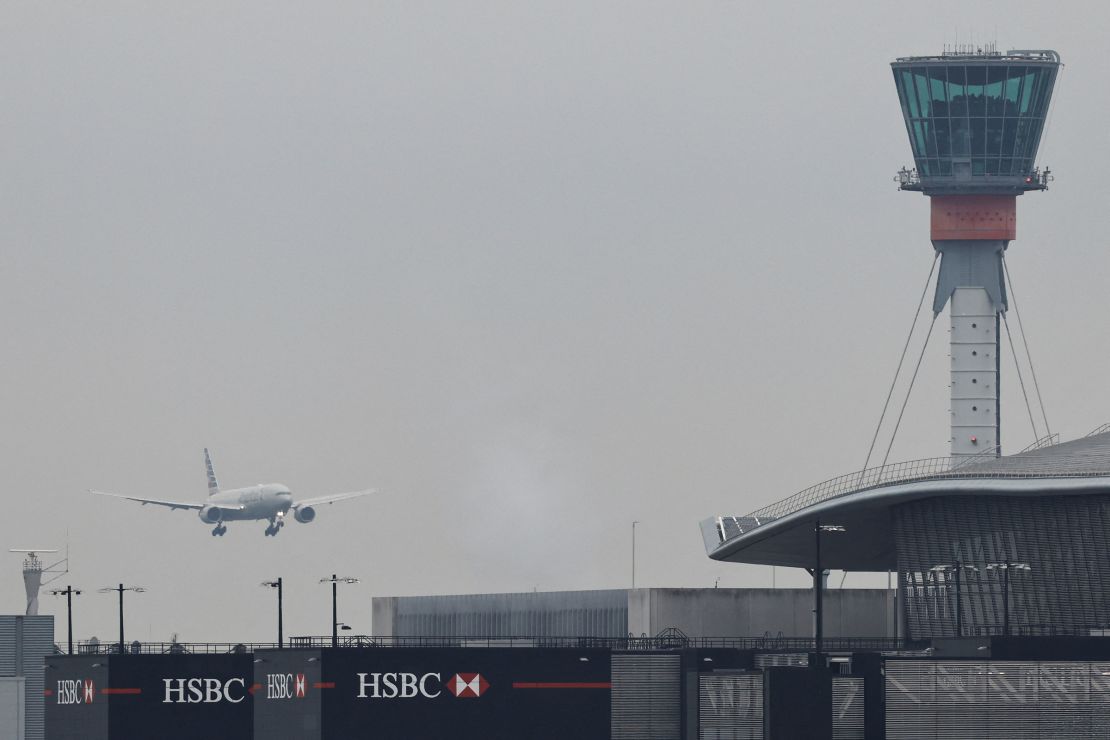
(467, 685)
(76, 692)
(204, 690)
(413, 685)
(285, 686)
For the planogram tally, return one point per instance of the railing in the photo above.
(663, 641)
(323, 641)
(901, 472)
(908, 179)
(1038, 179)
(1034, 630)
(1046, 441)
(169, 648)
(1099, 430)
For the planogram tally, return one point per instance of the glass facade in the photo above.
(990, 114)
(1063, 539)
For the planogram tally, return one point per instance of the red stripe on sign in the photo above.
(562, 685)
(48, 692)
(110, 692)
(254, 687)
(324, 685)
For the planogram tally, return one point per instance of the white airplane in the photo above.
(270, 501)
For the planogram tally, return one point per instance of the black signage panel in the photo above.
(797, 703)
(181, 696)
(76, 707)
(487, 693)
(287, 702)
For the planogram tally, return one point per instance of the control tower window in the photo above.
(990, 114)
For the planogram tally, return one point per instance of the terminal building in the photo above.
(1018, 543)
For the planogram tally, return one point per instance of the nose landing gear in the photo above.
(274, 528)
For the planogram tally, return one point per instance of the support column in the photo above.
(974, 389)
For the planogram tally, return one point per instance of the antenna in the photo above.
(33, 570)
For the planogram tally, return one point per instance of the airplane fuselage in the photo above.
(264, 501)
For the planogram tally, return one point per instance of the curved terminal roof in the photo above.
(782, 534)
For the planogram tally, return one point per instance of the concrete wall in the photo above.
(542, 614)
(699, 612)
(752, 612)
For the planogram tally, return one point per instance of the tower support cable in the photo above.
(909, 390)
(898, 370)
(1028, 355)
(1021, 381)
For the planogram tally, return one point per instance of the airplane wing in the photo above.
(319, 500)
(158, 502)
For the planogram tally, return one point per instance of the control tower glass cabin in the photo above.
(974, 121)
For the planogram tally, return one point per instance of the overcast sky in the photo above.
(535, 270)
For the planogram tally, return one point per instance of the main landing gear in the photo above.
(220, 530)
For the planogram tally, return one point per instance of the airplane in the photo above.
(271, 501)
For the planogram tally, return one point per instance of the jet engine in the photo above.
(211, 514)
(304, 514)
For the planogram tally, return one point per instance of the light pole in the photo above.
(818, 582)
(335, 581)
(634, 554)
(120, 589)
(1006, 567)
(956, 568)
(277, 584)
(69, 592)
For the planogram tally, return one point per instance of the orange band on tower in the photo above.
(974, 217)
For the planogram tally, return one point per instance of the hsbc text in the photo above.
(76, 692)
(204, 690)
(398, 685)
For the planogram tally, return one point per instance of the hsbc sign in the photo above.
(76, 691)
(415, 685)
(285, 685)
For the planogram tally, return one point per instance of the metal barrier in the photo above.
(662, 642)
(630, 643)
(169, 648)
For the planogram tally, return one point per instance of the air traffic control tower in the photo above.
(983, 544)
(975, 121)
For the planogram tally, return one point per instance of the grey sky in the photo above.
(533, 269)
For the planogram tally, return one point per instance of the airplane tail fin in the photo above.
(213, 484)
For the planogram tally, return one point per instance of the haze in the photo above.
(533, 270)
